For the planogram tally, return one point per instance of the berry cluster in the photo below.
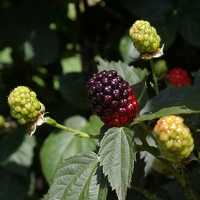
(24, 105)
(174, 138)
(179, 77)
(144, 37)
(111, 98)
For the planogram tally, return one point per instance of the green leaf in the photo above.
(17, 157)
(13, 186)
(139, 171)
(175, 191)
(129, 73)
(140, 90)
(93, 126)
(41, 44)
(196, 77)
(72, 88)
(71, 64)
(174, 110)
(125, 48)
(78, 178)
(178, 96)
(61, 145)
(17, 147)
(151, 11)
(167, 30)
(146, 193)
(117, 154)
(189, 21)
(33, 38)
(9, 143)
(98, 185)
(22, 157)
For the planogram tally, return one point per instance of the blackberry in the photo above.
(179, 77)
(144, 37)
(24, 105)
(111, 98)
(174, 139)
(159, 167)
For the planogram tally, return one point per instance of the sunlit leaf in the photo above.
(174, 110)
(129, 73)
(78, 178)
(117, 154)
(136, 77)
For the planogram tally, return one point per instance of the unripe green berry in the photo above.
(160, 67)
(2, 121)
(144, 37)
(23, 104)
(160, 167)
(174, 138)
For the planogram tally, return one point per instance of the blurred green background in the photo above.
(53, 46)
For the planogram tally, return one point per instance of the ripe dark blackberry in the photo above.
(179, 77)
(111, 98)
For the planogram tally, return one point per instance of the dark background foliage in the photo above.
(52, 47)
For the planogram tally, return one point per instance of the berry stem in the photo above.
(145, 193)
(190, 192)
(77, 133)
(154, 76)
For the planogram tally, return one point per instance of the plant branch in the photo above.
(145, 193)
(77, 133)
(154, 76)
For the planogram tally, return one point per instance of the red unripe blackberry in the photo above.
(111, 98)
(179, 77)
